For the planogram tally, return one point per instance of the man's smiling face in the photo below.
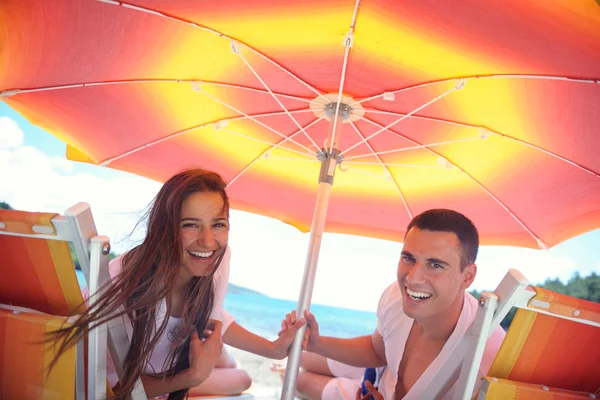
(430, 275)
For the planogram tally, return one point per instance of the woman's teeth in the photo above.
(201, 254)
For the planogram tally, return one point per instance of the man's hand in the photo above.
(312, 336)
(372, 392)
(289, 327)
(204, 354)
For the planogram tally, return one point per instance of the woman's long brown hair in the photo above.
(148, 276)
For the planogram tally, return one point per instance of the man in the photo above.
(422, 316)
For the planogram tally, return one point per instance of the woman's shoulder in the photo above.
(115, 266)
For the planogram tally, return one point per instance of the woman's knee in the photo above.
(226, 360)
(245, 381)
(223, 381)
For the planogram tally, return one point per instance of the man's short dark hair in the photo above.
(442, 220)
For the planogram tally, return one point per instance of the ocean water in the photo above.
(262, 315)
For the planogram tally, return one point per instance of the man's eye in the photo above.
(408, 258)
(436, 265)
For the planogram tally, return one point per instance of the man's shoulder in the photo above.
(391, 294)
(390, 301)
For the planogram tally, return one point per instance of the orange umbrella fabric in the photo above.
(488, 109)
(240, 87)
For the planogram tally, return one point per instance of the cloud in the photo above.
(11, 135)
(33, 181)
(535, 265)
(61, 164)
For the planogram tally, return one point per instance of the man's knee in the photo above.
(304, 360)
(310, 385)
(312, 362)
(303, 381)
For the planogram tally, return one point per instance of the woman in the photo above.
(167, 288)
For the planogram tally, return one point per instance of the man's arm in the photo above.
(364, 351)
(358, 351)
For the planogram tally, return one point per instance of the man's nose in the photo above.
(416, 274)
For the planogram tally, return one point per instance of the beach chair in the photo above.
(551, 349)
(494, 388)
(39, 292)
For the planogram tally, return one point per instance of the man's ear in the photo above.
(469, 274)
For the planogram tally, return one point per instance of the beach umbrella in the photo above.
(374, 111)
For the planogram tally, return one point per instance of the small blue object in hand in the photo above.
(371, 376)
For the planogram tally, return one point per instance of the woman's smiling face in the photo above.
(203, 231)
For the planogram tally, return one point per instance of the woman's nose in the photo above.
(207, 238)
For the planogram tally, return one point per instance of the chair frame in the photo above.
(513, 291)
(77, 226)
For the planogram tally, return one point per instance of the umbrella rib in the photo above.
(213, 31)
(239, 53)
(254, 120)
(457, 87)
(263, 141)
(12, 92)
(386, 169)
(276, 145)
(348, 42)
(441, 120)
(310, 87)
(548, 152)
(414, 147)
(184, 131)
(493, 76)
(481, 186)
(395, 165)
(292, 159)
(360, 171)
(465, 125)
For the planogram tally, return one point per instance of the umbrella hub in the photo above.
(327, 106)
(344, 112)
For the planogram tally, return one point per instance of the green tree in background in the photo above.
(75, 258)
(587, 288)
(5, 206)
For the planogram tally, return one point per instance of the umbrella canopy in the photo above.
(491, 109)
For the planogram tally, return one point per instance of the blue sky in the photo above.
(268, 255)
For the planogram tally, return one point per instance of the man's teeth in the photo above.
(202, 254)
(418, 295)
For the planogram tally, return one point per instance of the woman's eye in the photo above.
(189, 225)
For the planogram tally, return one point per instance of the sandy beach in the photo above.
(266, 384)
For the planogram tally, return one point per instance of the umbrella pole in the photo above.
(329, 162)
